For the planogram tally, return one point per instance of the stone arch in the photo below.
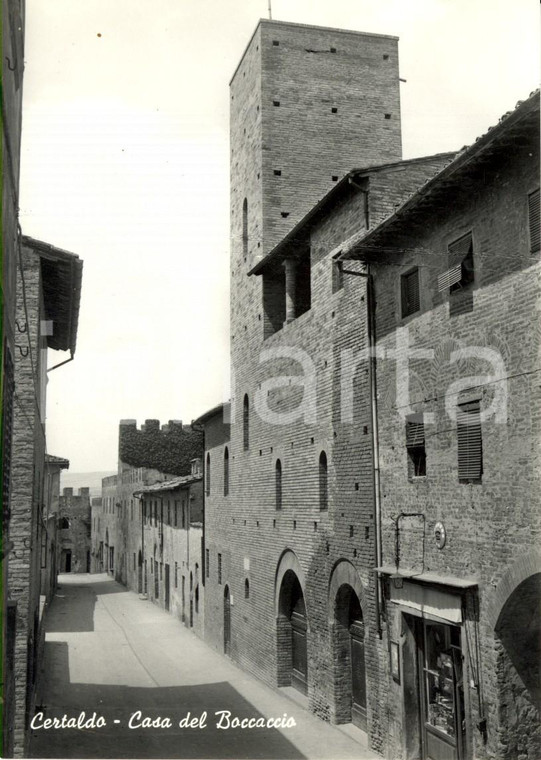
(518, 653)
(291, 624)
(527, 565)
(344, 573)
(346, 605)
(287, 561)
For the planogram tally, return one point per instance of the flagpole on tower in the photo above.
(270, 10)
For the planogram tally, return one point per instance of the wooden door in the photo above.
(358, 674)
(299, 659)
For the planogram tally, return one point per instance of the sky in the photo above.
(125, 163)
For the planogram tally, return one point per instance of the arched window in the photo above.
(246, 589)
(278, 484)
(63, 523)
(245, 228)
(226, 472)
(323, 482)
(207, 476)
(246, 422)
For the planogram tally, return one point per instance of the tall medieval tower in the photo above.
(308, 104)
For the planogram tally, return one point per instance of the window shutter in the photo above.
(415, 434)
(534, 221)
(470, 447)
(410, 293)
(460, 256)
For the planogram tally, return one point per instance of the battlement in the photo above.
(170, 447)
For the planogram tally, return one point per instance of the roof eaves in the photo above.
(463, 157)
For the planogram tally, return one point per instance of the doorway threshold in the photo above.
(357, 734)
(295, 695)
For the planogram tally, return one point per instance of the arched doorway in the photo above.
(518, 647)
(292, 628)
(350, 670)
(227, 621)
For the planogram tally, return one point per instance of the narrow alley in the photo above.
(111, 653)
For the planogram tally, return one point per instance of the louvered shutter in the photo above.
(470, 446)
(460, 256)
(534, 221)
(415, 431)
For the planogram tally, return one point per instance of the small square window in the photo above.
(410, 293)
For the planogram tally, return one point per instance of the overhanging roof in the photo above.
(428, 577)
(302, 229)
(168, 485)
(60, 462)
(516, 129)
(62, 274)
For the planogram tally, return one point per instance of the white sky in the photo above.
(125, 162)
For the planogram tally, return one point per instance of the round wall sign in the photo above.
(439, 535)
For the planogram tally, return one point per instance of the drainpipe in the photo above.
(371, 324)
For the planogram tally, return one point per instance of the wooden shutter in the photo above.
(534, 221)
(415, 431)
(410, 293)
(470, 446)
(460, 257)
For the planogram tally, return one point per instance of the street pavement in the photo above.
(111, 655)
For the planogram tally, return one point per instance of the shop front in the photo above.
(427, 648)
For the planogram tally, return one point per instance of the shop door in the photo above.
(358, 674)
(299, 669)
(442, 692)
(167, 587)
(227, 621)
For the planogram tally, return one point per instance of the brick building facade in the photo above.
(305, 486)
(48, 295)
(455, 274)
(291, 547)
(147, 455)
(170, 567)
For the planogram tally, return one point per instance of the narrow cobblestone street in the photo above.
(110, 653)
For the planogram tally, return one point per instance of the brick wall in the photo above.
(489, 525)
(27, 475)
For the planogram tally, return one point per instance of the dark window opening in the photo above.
(246, 589)
(278, 484)
(207, 476)
(534, 221)
(415, 444)
(226, 472)
(277, 172)
(469, 442)
(323, 482)
(245, 228)
(303, 286)
(410, 293)
(274, 301)
(246, 422)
